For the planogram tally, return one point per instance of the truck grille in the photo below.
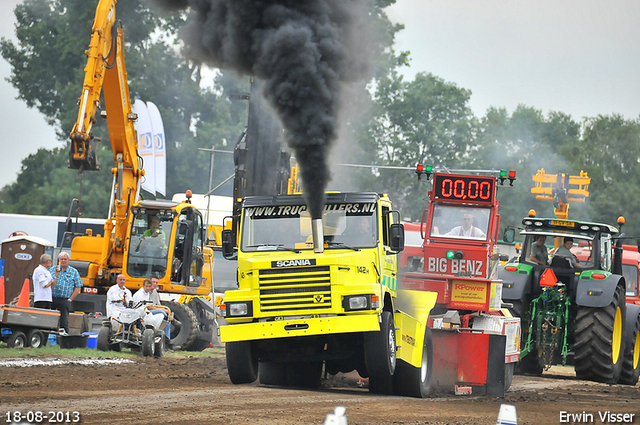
(296, 288)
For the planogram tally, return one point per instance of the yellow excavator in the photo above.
(142, 238)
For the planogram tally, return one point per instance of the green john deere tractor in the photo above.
(572, 302)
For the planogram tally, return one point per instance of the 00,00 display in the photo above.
(473, 189)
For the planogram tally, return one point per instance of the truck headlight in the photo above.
(239, 309)
(356, 302)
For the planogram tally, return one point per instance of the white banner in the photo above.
(160, 149)
(145, 145)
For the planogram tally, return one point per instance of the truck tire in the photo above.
(509, 369)
(631, 365)
(35, 338)
(272, 373)
(102, 341)
(242, 364)
(414, 381)
(303, 374)
(148, 343)
(17, 340)
(380, 355)
(188, 332)
(599, 340)
(530, 365)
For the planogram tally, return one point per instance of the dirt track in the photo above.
(197, 390)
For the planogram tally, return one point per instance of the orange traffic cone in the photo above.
(1, 290)
(25, 295)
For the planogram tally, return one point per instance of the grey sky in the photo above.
(581, 57)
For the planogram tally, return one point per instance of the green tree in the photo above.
(426, 120)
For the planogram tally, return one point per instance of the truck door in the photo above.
(389, 258)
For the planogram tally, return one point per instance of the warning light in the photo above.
(458, 255)
(512, 177)
(532, 212)
(502, 177)
(421, 169)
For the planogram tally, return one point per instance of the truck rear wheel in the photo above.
(599, 340)
(631, 366)
(242, 364)
(35, 338)
(148, 343)
(303, 374)
(414, 381)
(272, 373)
(181, 339)
(380, 355)
(17, 340)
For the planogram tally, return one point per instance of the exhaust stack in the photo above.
(318, 235)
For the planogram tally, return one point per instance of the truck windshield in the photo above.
(148, 248)
(460, 222)
(275, 228)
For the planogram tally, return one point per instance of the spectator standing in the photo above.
(43, 283)
(67, 287)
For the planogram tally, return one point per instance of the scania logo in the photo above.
(293, 263)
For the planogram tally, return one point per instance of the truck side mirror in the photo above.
(509, 235)
(638, 243)
(396, 237)
(227, 244)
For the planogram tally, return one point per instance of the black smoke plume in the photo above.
(302, 49)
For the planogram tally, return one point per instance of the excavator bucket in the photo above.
(84, 155)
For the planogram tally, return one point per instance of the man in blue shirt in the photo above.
(68, 284)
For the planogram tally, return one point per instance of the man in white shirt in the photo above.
(146, 293)
(467, 230)
(116, 295)
(43, 282)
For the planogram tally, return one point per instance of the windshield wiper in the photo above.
(277, 247)
(341, 244)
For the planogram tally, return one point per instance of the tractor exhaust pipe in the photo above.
(318, 235)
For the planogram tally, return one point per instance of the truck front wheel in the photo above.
(242, 364)
(380, 355)
(599, 340)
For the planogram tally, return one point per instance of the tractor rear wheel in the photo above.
(242, 364)
(631, 365)
(599, 340)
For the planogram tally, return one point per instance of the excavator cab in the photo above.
(165, 240)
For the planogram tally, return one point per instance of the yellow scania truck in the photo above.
(324, 292)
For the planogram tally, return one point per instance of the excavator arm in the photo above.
(106, 70)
